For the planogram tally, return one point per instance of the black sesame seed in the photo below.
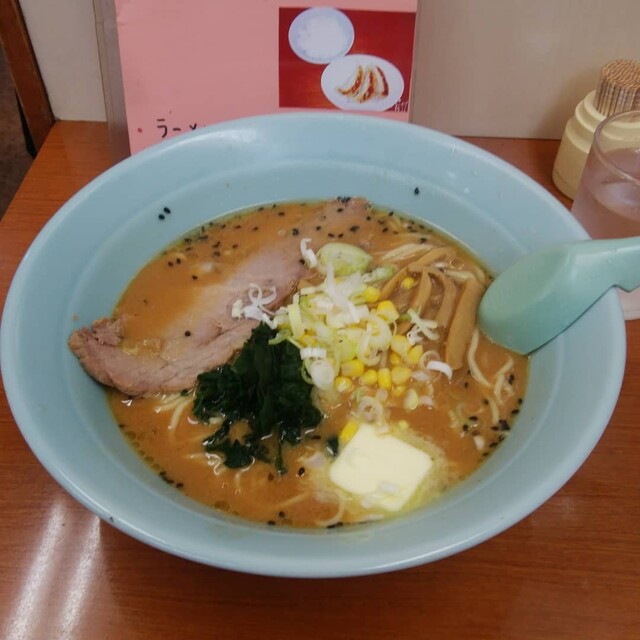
(161, 216)
(167, 210)
(281, 514)
(234, 246)
(341, 235)
(187, 333)
(416, 191)
(339, 209)
(170, 263)
(318, 228)
(331, 235)
(301, 472)
(295, 231)
(368, 218)
(354, 228)
(271, 523)
(165, 477)
(179, 485)
(280, 213)
(178, 261)
(194, 277)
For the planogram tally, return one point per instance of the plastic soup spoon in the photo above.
(541, 294)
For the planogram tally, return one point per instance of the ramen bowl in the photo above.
(84, 258)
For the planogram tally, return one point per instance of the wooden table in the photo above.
(570, 570)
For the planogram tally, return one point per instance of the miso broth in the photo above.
(456, 413)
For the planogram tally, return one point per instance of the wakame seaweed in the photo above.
(265, 387)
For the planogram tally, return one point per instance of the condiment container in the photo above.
(618, 90)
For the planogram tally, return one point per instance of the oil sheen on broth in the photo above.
(457, 416)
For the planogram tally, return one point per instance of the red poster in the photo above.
(356, 60)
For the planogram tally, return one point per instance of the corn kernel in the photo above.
(307, 340)
(411, 400)
(400, 375)
(371, 294)
(394, 358)
(348, 431)
(398, 390)
(415, 353)
(369, 377)
(343, 384)
(387, 311)
(352, 368)
(400, 345)
(384, 378)
(408, 283)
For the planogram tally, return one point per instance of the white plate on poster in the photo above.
(347, 83)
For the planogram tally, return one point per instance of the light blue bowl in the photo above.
(83, 259)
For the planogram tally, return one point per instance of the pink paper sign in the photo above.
(193, 63)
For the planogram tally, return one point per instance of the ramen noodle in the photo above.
(407, 397)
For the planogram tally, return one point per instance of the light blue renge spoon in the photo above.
(543, 293)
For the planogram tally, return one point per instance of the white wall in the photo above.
(485, 67)
(63, 36)
(515, 67)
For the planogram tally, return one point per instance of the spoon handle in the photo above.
(617, 260)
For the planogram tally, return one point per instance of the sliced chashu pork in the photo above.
(214, 335)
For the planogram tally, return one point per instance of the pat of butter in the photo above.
(384, 470)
